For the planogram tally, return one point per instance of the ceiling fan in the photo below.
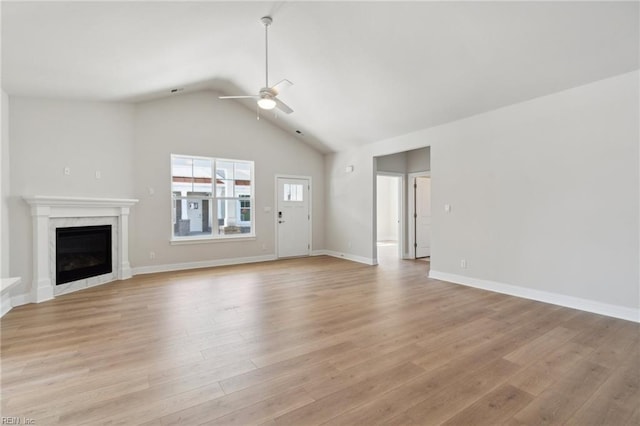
(267, 97)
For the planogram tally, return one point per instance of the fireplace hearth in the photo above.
(82, 252)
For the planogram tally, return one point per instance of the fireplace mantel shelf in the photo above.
(47, 200)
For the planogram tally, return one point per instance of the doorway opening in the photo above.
(389, 214)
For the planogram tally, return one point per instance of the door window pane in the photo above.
(293, 192)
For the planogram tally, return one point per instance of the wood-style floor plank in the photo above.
(313, 341)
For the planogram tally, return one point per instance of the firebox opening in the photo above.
(82, 252)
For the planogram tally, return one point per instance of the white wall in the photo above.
(201, 124)
(544, 194)
(4, 190)
(48, 135)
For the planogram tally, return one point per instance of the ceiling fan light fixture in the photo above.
(266, 103)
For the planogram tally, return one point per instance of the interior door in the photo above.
(422, 216)
(293, 217)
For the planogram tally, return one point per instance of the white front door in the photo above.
(293, 217)
(423, 216)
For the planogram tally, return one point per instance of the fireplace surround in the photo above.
(50, 213)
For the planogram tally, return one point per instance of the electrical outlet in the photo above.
(463, 263)
(67, 171)
(152, 255)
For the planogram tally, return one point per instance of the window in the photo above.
(212, 198)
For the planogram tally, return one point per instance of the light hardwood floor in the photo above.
(313, 341)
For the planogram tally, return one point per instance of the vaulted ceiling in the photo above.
(362, 71)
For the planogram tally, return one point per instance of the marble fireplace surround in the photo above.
(51, 212)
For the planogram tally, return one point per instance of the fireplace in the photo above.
(82, 252)
(50, 213)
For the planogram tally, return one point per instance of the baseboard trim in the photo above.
(20, 299)
(592, 306)
(7, 300)
(352, 257)
(203, 264)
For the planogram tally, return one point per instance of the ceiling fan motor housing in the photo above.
(268, 92)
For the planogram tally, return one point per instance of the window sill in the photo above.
(205, 240)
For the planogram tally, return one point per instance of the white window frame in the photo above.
(213, 199)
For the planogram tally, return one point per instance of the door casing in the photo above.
(411, 211)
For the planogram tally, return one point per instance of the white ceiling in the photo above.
(362, 71)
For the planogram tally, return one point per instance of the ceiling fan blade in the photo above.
(239, 97)
(282, 84)
(282, 106)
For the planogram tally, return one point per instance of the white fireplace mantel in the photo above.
(46, 208)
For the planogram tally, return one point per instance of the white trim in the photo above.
(202, 264)
(204, 240)
(275, 214)
(6, 284)
(347, 256)
(411, 223)
(20, 299)
(55, 201)
(593, 306)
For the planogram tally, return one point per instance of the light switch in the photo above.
(447, 208)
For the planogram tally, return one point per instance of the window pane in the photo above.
(243, 171)
(242, 188)
(232, 215)
(224, 188)
(224, 179)
(245, 209)
(293, 192)
(181, 174)
(202, 175)
(190, 175)
(192, 217)
(224, 170)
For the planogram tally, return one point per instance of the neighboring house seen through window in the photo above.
(212, 198)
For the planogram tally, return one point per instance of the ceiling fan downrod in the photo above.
(266, 21)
